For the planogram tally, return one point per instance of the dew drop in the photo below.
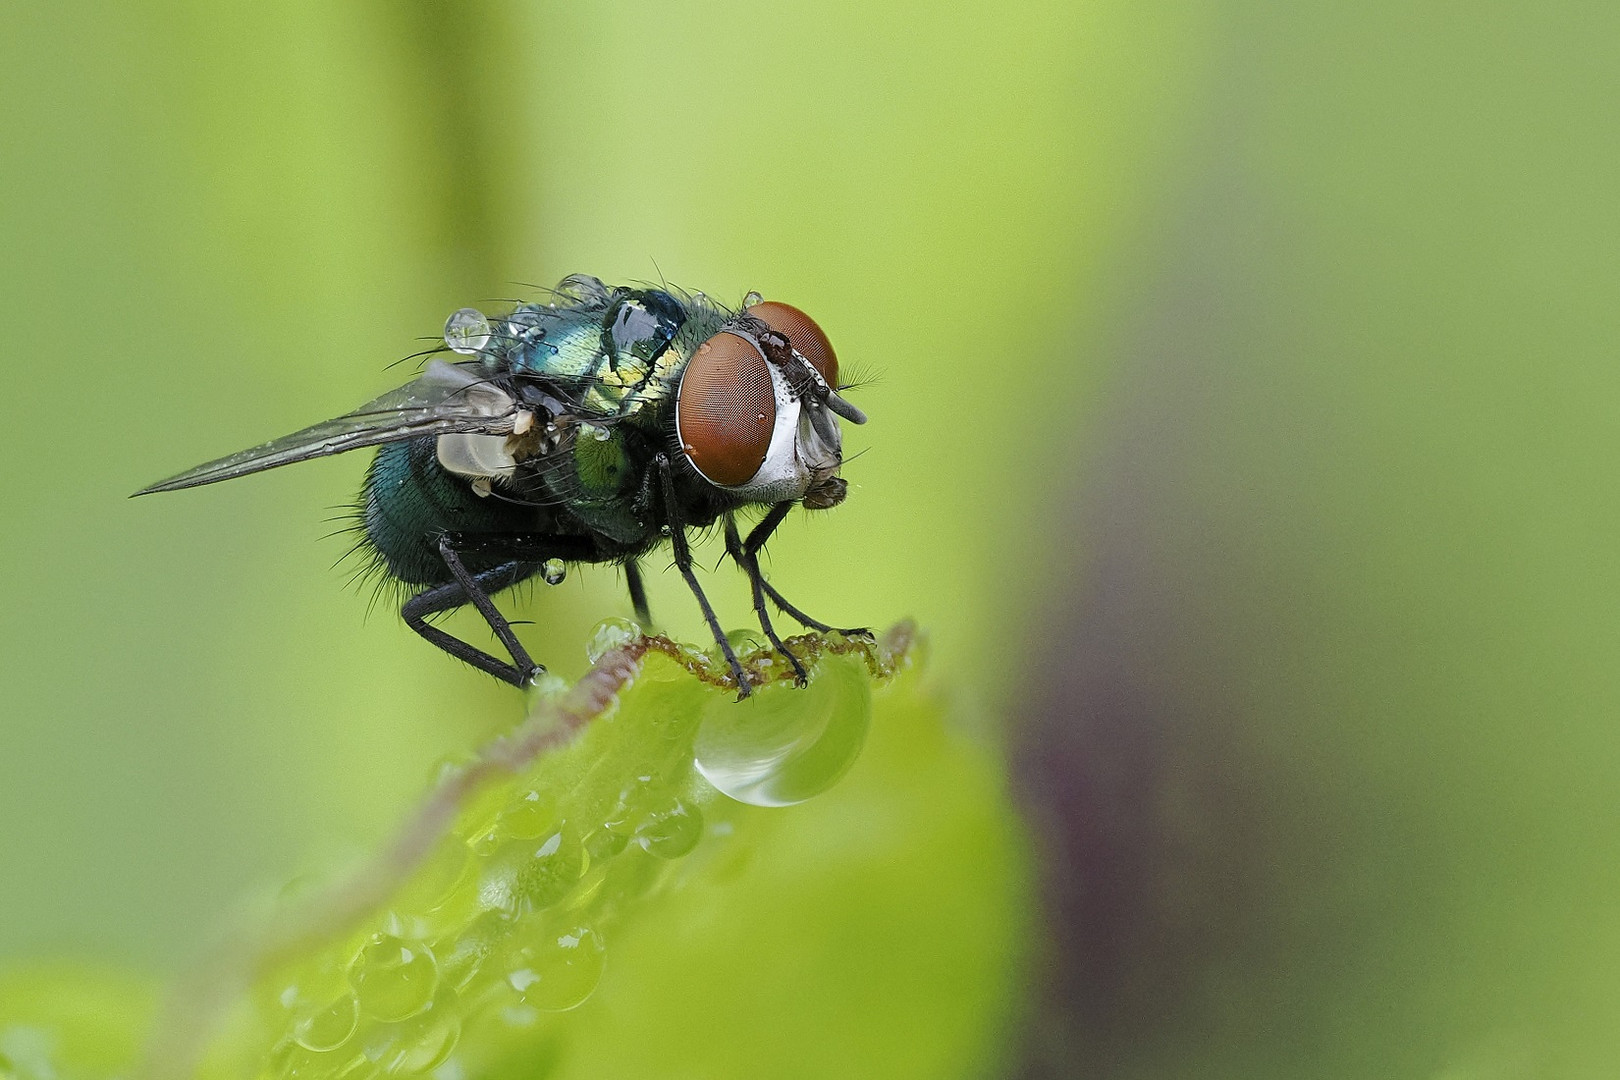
(562, 973)
(533, 815)
(528, 875)
(783, 745)
(327, 1028)
(464, 956)
(433, 884)
(552, 571)
(610, 634)
(394, 979)
(466, 331)
(752, 299)
(670, 831)
(418, 1044)
(604, 844)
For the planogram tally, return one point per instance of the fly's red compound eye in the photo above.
(725, 410)
(803, 334)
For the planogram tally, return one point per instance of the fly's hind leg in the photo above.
(475, 588)
(526, 554)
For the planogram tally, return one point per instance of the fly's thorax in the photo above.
(757, 410)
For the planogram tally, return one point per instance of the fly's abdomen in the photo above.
(410, 500)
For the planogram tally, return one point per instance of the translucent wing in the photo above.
(445, 400)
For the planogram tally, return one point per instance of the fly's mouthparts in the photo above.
(843, 408)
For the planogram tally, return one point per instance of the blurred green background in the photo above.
(1304, 316)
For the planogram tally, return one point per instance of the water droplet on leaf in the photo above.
(671, 831)
(327, 1028)
(393, 978)
(610, 634)
(560, 974)
(528, 875)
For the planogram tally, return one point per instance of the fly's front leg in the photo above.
(749, 561)
(751, 548)
(683, 563)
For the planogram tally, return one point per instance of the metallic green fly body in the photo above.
(589, 429)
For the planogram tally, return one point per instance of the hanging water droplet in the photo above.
(393, 979)
(552, 571)
(610, 634)
(562, 973)
(783, 745)
(466, 331)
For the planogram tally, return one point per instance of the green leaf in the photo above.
(648, 871)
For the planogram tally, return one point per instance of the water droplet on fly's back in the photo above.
(560, 974)
(466, 331)
(610, 634)
(552, 571)
(783, 745)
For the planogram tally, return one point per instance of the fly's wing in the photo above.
(445, 400)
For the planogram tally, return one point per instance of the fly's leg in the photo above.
(749, 561)
(527, 554)
(638, 593)
(683, 563)
(475, 588)
(804, 620)
(751, 547)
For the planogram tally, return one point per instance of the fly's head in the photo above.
(758, 406)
